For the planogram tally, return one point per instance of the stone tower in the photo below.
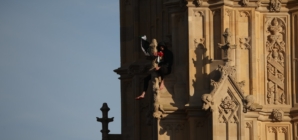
(235, 71)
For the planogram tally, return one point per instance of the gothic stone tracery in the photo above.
(275, 47)
(228, 110)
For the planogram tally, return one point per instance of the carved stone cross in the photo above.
(105, 121)
(227, 46)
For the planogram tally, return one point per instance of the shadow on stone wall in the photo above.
(201, 80)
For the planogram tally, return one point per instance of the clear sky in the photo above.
(56, 68)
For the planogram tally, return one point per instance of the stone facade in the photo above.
(235, 71)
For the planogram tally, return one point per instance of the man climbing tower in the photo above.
(164, 63)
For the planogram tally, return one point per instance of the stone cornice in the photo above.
(259, 5)
(239, 3)
(139, 67)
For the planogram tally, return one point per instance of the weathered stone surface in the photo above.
(235, 68)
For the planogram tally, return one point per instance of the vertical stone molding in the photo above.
(197, 53)
(243, 51)
(295, 127)
(249, 130)
(295, 56)
(259, 127)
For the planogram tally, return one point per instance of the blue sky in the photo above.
(56, 68)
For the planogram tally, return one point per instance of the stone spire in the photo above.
(105, 121)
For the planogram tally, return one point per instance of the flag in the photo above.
(145, 45)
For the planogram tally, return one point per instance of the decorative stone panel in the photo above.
(276, 51)
(278, 131)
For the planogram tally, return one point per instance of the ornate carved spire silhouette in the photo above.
(105, 121)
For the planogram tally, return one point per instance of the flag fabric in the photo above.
(145, 45)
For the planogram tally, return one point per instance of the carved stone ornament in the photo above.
(228, 12)
(277, 115)
(197, 2)
(276, 48)
(259, 3)
(244, 42)
(214, 84)
(275, 5)
(198, 13)
(207, 102)
(227, 46)
(227, 104)
(277, 129)
(248, 124)
(244, 2)
(227, 35)
(241, 84)
(249, 104)
(244, 13)
(157, 106)
(228, 111)
(200, 42)
(227, 70)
